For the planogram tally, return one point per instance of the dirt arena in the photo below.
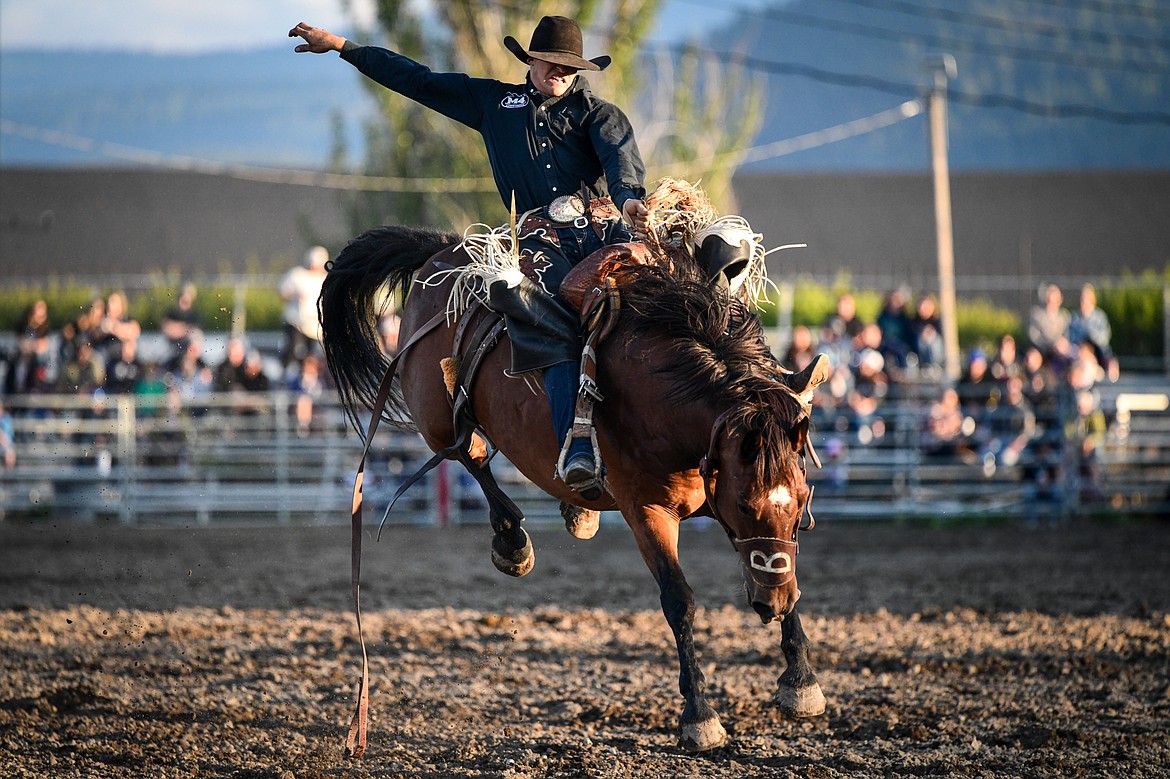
(1003, 649)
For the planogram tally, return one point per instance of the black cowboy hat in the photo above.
(556, 39)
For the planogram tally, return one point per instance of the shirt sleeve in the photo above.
(454, 95)
(613, 140)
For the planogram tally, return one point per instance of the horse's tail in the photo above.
(362, 280)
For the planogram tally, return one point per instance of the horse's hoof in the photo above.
(800, 703)
(703, 735)
(581, 523)
(514, 561)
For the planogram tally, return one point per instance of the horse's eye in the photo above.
(744, 508)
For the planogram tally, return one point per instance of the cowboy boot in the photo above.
(580, 470)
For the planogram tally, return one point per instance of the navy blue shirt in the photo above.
(539, 147)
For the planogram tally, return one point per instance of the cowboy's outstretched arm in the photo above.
(317, 40)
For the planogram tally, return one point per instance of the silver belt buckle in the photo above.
(566, 209)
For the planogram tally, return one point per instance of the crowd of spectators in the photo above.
(1006, 410)
(96, 355)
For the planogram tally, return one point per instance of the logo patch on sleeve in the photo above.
(514, 100)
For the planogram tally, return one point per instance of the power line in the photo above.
(1075, 59)
(812, 140)
(1106, 7)
(307, 178)
(1048, 110)
(840, 132)
(1013, 24)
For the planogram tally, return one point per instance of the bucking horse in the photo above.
(694, 417)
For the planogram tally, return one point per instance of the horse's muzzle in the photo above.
(772, 605)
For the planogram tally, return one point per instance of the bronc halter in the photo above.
(772, 560)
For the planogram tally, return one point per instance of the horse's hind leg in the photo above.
(798, 694)
(581, 523)
(512, 551)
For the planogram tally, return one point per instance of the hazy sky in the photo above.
(163, 25)
(184, 26)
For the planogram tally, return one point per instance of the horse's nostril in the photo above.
(765, 610)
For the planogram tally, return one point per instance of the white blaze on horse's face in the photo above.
(780, 497)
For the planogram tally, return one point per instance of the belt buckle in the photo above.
(566, 209)
(581, 222)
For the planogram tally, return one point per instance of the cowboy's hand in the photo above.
(636, 214)
(317, 40)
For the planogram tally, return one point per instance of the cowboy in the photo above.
(546, 140)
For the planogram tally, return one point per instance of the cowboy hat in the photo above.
(556, 39)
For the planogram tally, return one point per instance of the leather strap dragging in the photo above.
(355, 742)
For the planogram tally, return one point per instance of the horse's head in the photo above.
(755, 477)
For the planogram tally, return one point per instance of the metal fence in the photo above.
(246, 457)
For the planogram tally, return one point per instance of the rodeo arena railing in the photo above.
(265, 457)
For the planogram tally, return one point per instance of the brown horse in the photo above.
(697, 419)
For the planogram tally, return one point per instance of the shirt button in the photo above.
(548, 166)
(554, 189)
(540, 124)
(543, 145)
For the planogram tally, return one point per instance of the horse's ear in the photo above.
(814, 374)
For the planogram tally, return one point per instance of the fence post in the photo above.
(280, 413)
(127, 453)
(1166, 329)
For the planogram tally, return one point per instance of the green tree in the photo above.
(689, 124)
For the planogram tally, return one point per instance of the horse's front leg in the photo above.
(798, 693)
(657, 534)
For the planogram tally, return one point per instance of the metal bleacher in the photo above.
(227, 457)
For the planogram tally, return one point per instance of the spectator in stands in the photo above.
(84, 372)
(897, 335)
(181, 323)
(187, 376)
(872, 339)
(1090, 325)
(1040, 385)
(1085, 432)
(926, 336)
(252, 384)
(301, 287)
(1010, 427)
(31, 369)
(801, 351)
(116, 328)
(1007, 362)
(229, 374)
(1048, 327)
(255, 380)
(832, 400)
(7, 438)
(942, 429)
(978, 391)
(840, 329)
(870, 387)
(308, 387)
(124, 373)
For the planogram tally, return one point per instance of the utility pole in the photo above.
(943, 68)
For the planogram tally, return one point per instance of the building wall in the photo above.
(1047, 225)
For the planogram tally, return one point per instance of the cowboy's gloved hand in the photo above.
(317, 40)
(636, 214)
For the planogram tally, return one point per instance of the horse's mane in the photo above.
(716, 353)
